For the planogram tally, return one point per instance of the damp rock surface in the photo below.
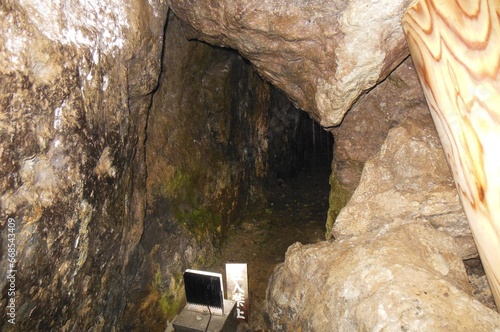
(75, 85)
(318, 52)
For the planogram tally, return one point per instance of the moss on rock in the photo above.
(339, 196)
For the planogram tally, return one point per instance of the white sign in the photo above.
(237, 289)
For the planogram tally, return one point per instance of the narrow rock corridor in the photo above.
(296, 212)
(140, 139)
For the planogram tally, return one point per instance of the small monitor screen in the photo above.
(204, 288)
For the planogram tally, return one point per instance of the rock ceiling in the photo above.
(319, 52)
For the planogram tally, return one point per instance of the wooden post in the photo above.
(455, 46)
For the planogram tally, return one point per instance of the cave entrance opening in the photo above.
(235, 172)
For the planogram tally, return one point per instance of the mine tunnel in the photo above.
(236, 176)
(142, 139)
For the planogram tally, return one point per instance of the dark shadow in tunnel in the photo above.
(308, 145)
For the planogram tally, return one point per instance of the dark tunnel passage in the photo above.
(295, 210)
(228, 155)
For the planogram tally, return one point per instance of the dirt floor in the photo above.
(296, 212)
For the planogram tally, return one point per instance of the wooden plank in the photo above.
(455, 46)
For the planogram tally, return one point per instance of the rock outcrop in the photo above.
(408, 181)
(395, 107)
(323, 54)
(408, 278)
(365, 127)
(376, 274)
(396, 261)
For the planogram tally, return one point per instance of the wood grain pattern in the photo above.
(455, 46)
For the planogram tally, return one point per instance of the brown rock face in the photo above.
(365, 127)
(319, 52)
(75, 87)
(389, 190)
(408, 181)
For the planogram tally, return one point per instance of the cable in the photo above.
(209, 319)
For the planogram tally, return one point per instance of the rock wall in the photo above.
(359, 138)
(365, 127)
(124, 157)
(76, 82)
(407, 181)
(408, 278)
(396, 259)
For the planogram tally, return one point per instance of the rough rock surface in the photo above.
(408, 181)
(76, 79)
(113, 192)
(318, 52)
(365, 127)
(408, 278)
